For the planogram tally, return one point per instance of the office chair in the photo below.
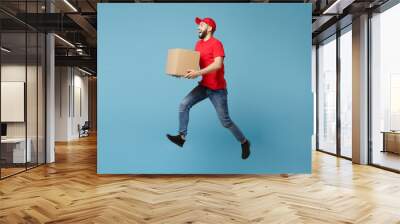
(84, 130)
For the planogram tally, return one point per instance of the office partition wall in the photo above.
(22, 78)
(13, 145)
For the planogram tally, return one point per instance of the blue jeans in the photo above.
(220, 102)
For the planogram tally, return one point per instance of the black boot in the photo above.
(245, 149)
(177, 139)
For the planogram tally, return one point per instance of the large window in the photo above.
(327, 95)
(385, 88)
(346, 92)
(335, 73)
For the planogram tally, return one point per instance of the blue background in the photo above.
(267, 68)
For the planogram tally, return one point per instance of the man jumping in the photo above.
(212, 85)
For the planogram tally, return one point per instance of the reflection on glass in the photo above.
(346, 94)
(386, 89)
(327, 96)
(22, 90)
(14, 153)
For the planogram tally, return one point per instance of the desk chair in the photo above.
(84, 130)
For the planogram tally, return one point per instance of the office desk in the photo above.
(391, 141)
(13, 150)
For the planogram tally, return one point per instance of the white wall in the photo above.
(62, 81)
(79, 117)
(17, 73)
(34, 126)
(70, 84)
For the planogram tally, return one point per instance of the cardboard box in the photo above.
(180, 60)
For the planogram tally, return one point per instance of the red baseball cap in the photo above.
(208, 21)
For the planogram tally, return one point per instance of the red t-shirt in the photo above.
(209, 50)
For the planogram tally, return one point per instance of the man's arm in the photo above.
(217, 64)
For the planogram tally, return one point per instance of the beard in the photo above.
(202, 34)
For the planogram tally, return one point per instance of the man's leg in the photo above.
(219, 99)
(220, 102)
(196, 95)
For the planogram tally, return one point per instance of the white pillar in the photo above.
(314, 93)
(50, 91)
(360, 90)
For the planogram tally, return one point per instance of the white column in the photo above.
(360, 90)
(314, 93)
(50, 92)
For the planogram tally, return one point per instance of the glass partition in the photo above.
(32, 95)
(22, 89)
(14, 151)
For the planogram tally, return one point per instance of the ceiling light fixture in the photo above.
(64, 40)
(79, 51)
(70, 5)
(5, 50)
(329, 9)
(337, 7)
(84, 71)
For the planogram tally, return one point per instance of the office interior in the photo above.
(49, 74)
(33, 64)
(334, 94)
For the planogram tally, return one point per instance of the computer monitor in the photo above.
(3, 129)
